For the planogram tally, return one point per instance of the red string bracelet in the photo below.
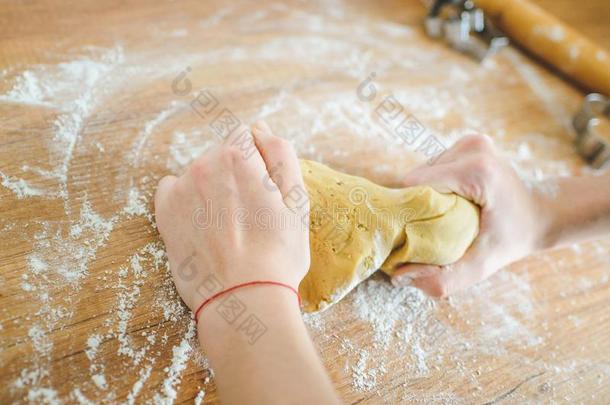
(235, 287)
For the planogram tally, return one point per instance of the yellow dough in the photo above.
(357, 227)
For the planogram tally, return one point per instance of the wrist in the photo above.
(278, 355)
(243, 316)
(553, 216)
(544, 219)
(578, 211)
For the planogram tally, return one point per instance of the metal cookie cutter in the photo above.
(465, 28)
(592, 142)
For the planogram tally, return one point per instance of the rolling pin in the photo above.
(552, 40)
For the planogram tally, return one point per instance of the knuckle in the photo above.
(200, 167)
(479, 142)
(236, 156)
(163, 200)
(473, 190)
(438, 287)
(163, 189)
(165, 184)
(232, 154)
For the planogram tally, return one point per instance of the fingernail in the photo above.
(402, 281)
(261, 126)
(256, 128)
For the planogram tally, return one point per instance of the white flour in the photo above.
(149, 127)
(21, 188)
(178, 364)
(404, 327)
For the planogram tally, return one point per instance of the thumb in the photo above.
(405, 274)
(440, 281)
(437, 281)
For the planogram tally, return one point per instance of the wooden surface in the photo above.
(86, 307)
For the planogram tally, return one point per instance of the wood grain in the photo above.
(538, 331)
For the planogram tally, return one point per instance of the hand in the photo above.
(237, 214)
(240, 213)
(511, 222)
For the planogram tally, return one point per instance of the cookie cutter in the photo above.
(465, 27)
(592, 142)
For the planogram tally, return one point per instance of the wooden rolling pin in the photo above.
(552, 40)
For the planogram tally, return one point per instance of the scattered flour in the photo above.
(178, 364)
(57, 86)
(536, 170)
(27, 90)
(403, 323)
(73, 89)
(185, 148)
(43, 395)
(136, 203)
(80, 398)
(199, 397)
(100, 381)
(40, 340)
(364, 377)
(538, 85)
(149, 127)
(21, 188)
(384, 306)
(137, 387)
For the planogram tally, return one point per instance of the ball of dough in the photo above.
(357, 227)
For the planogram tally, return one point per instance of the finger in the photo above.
(444, 178)
(434, 281)
(241, 146)
(439, 285)
(162, 193)
(242, 140)
(163, 187)
(441, 281)
(282, 165)
(405, 274)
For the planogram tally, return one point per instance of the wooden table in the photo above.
(94, 111)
